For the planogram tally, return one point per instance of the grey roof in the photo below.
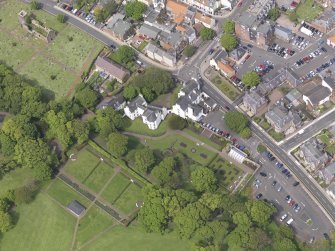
(183, 102)
(76, 208)
(115, 102)
(137, 102)
(254, 100)
(247, 19)
(210, 102)
(330, 170)
(191, 86)
(149, 31)
(220, 55)
(312, 153)
(281, 117)
(173, 38)
(121, 27)
(264, 28)
(114, 19)
(330, 81)
(331, 188)
(152, 112)
(196, 109)
(317, 94)
(237, 54)
(283, 32)
(111, 68)
(293, 95)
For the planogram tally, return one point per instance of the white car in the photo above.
(283, 217)
(289, 221)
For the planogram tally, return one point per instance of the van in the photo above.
(289, 221)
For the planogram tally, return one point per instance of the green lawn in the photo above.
(265, 125)
(137, 126)
(115, 188)
(94, 221)
(127, 202)
(38, 60)
(99, 177)
(207, 141)
(227, 88)
(42, 225)
(330, 147)
(15, 179)
(185, 146)
(64, 194)
(308, 10)
(134, 238)
(226, 172)
(277, 136)
(83, 166)
(142, 46)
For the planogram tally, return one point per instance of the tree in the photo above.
(144, 159)
(261, 148)
(235, 121)
(284, 244)
(274, 14)
(189, 50)
(165, 171)
(207, 33)
(34, 5)
(251, 78)
(124, 54)
(260, 212)
(211, 200)
(117, 144)
(79, 129)
(135, 10)
(6, 145)
(129, 92)
(5, 222)
(242, 219)
(26, 194)
(229, 27)
(228, 42)
(203, 179)
(61, 18)
(31, 102)
(87, 97)
(19, 127)
(245, 133)
(107, 121)
(177, 123)
(5, 204)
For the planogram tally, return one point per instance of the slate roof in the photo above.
(283, 32)
(152, 112)
(121, 27)
(76, 208)
(111, 68)
(247, 19)
(115, 102)
(149, 31)
(313, 155)
(330, 81)
(317, 94)
(237, 54)
(138, 102)
(254, 100)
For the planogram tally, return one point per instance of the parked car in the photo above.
(283, 217)
(258, 196)
(263, 174)
(296, 183)
(326, 236)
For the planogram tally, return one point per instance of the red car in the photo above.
(239, 4)
(291, 204)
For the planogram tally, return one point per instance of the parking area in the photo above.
(280, 188)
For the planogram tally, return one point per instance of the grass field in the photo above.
(83, 166)
(137, 126)
(127, 202)
(308, 10)
(325, 138)
(42, 225)
(38, 60)
(15, 179)
(115, 188)
(185, 146)
(227, 88)
(134, 238)
(201, 138)
(65, 194)
(94, 221)
(226, 172)
(99, 177)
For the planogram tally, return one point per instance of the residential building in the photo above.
(226, 69)
(291, 77)
(117, 102)
(122, 30)
(158, 54)
(172, 41)
(283, 33)
(219, 56)
(36, 28)
(237, 54)
(192, 102)
(328, 173)
(293, 97)
(158, 4)
(316, 96)
(331, 41)
(330, 190)
(313, 155)
(153, 116)
(254, 102)
(135, 107)
(148, 31)
(177, 10)
(282, 119)
(265, 35)
(330, 84)
(325, 22)
(111, 68)
(188, 32)
(205, 20)
(154, 19)
(114, 19)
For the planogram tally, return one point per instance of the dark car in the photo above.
(263, 174)
(250, 45)
(211, 51)
(326, 236)
(274, 183)
(287, 197)
(258, 196)
(227, 107)
(296, 183)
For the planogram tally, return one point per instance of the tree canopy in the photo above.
(245, 133)
(177, 123)
(124, 54)
(274, 14)
(251, 78)
(229, 27)
(107, 121)
(228, 42)
(207, 33)
(117, 144)
(165, 172)
(189, 50)
(129, 92)
(203, 179)
(235, 121)
(144, 159)
(135, 9)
